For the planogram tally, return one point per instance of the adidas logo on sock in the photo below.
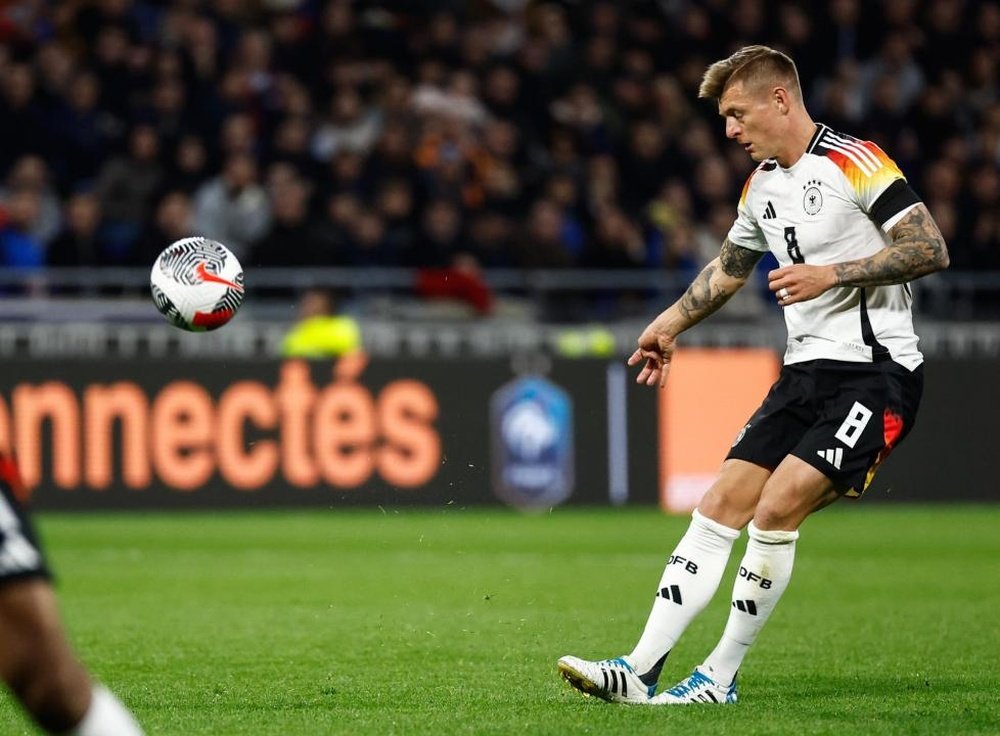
(746, 606)
(769, 213)
(834, 457)
(670, 593)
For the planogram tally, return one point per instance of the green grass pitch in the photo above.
(450, 621)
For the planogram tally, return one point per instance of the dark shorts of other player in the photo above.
(21, 556)
(842, 418)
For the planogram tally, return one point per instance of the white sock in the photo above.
(106, 717)
(763, 576)
(689, 581)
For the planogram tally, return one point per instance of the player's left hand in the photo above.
(800, 282)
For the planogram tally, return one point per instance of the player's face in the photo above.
(752, 120)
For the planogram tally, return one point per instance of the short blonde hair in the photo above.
(754, 66)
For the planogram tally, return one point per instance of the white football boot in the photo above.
(698, 688)
(613, 680)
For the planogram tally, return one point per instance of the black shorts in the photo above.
(842, 418)
(21, 555)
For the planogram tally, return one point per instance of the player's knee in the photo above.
(779, 513)
(732, 498)
(723, 510)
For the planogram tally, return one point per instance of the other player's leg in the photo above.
(36, 661)
(690, 579)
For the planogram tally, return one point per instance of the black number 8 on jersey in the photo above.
(793, 246)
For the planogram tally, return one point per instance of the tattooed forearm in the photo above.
(917, 249)
(736, 261)
(703, 296)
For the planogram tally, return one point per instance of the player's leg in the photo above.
(867, 410)
(856, 414)
(38, 665)
(684, 589)
(690, 579)
(36, 661)
(794, 491)
(695, 567)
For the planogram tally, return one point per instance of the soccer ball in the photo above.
(197, 284)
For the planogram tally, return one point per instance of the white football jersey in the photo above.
(834, 204)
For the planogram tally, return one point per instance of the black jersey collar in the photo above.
(816, 136)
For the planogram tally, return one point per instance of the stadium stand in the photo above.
(488, 134)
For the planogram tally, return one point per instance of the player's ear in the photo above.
(780, 100)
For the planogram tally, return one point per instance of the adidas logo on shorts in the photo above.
(834, 457)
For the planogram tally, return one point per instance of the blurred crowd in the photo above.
(482, 133)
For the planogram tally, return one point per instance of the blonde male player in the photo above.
(848, 233)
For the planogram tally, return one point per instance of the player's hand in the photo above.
(656, 348)
(800, 282)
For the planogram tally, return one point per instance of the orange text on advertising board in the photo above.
(340, 435)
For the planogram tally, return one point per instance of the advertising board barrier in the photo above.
(202, 433)
(144, 433)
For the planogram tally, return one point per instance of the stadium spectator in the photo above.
(350, 126)
(126, 186)
(19, 217)
(460, 283)
(30, 173)
(173, 220)
(489, 240)
(233, 208)
(79, 243)
(82, 130)
(617, 242)
(189, 166)
(396, 206)
(340, 223)
(439, 238)
(540, 243)
(292, 239)
(22, 126)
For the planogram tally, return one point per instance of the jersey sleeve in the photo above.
(878, 186)
(745, 232)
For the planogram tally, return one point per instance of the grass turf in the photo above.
(450, 621)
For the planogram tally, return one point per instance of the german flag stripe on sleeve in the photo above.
(746, 186)
(864, 164)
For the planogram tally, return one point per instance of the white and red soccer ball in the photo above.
(197, 284)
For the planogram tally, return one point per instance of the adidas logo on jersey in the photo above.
(769, 213)
(834, 457)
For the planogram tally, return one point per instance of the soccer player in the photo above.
(36, 661)
(848, 233)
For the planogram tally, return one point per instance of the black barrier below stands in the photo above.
(133, 434)
(950, 452)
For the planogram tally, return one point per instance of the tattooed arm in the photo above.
(916, 249)
(718, 281)
(712, 288)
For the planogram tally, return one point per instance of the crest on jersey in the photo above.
(741, 435)
(812, 200)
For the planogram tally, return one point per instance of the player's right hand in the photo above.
(656, 349)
